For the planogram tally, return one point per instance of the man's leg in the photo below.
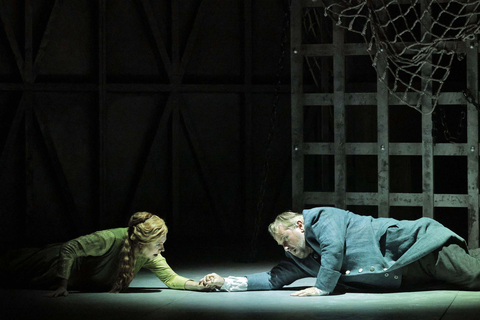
(475, 253)
(419, 274)
(457, 267)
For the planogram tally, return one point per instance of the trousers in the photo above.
(448, 267)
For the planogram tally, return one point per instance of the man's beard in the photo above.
(302, 250)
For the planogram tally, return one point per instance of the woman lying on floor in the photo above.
(101, 261)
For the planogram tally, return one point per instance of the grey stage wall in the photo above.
(112, 107)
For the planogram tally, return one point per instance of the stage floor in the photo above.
(148, 298)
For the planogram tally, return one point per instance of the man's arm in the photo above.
(330, 232)
(312, 291)
(282, 274)
(230, 284)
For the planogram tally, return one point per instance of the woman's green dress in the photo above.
(88, 262)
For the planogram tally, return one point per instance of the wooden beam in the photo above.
(326, 129)
(339, 117)
(29, 130)
(177, 218)
(452, 200)
(72, 212)
(65, 87)
(370, 98)
(206, 174)
(395, 199)
(148, 87)
(192, 39)
(427, 125)
(383, 158)
(46, 36)
(28, 72)
(472, 144)
(296, 64)
(175, 78)
(12, 86)
(229, 88)
(310, 99)
(29, 160)
(157, 141)
(249, 210)
(395, 149)
(360, 49)
(311, 4)
(147, 7)
(12, 136)
(104, 220)
(12, 40)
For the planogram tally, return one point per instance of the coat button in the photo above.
(360, 270)
(395, 277)
(372, 268)
(315, 256)
(347, 272)
(386, 274)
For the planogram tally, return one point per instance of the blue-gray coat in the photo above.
(356, 251)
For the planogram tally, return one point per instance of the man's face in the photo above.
(293, 240)
(153, 249)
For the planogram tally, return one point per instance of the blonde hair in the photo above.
(143, 228)
(288, 219)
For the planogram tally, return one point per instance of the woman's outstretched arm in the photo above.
(162, 270)
(195, 286)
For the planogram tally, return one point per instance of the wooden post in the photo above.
(383, 157)
(339, 117)
(472, 146)
(297, 106)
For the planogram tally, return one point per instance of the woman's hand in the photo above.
(192, 285)
(61, 290)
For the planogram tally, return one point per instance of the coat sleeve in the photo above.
(95, 244)
(281, 275)
(330, 232)
(162, 270)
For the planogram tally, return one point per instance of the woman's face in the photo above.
(153, 249)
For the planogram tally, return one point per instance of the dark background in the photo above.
(96, 127)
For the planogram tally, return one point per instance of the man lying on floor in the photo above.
(363, 253)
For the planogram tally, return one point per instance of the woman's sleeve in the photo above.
(162, 270)
(94, 244)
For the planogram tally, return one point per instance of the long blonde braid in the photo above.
(143, 228)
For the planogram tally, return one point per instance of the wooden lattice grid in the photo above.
(383, 148)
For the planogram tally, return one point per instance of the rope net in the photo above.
(417, 40)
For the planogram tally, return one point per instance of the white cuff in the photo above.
(235, 284)
(321, 292)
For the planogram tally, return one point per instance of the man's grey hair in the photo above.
(288, 219)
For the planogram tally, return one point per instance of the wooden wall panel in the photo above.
(141, 105)
(402, 138)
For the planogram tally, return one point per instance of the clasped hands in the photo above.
(214, 281)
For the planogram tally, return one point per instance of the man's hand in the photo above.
(312, 291)
(212, 280)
